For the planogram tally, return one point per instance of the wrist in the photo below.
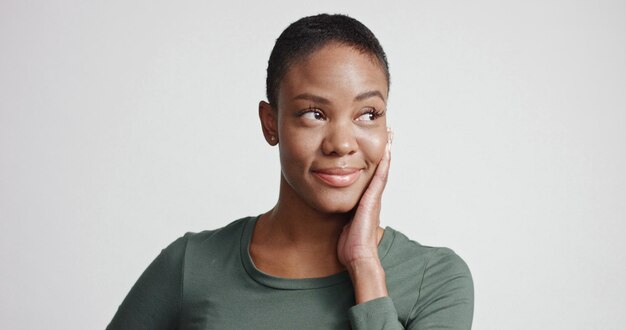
(364, 265)
(368, 279)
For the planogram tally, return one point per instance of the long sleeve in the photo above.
(154, 301)
(376, 314)
(445, 299)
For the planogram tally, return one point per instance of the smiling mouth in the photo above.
(338, 177)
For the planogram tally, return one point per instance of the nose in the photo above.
(340, 140)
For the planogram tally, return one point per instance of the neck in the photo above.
(295, 240)
(294, 222)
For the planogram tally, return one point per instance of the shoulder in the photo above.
(155, 300)
(433, 260)
(426, 278)
(226, 233)
(444, 261)
(176, 251)
(221, 244)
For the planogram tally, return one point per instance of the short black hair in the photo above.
(309, 34)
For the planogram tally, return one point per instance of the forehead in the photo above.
(334, 71)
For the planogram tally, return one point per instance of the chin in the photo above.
(322, 198)
(337, 210)
(343, 204)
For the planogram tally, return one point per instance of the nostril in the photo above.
(339, 141)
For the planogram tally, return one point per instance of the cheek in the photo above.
(373, 146)
(297, 148)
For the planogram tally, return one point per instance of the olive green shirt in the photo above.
(207, 280)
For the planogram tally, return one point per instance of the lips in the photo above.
(338, 177)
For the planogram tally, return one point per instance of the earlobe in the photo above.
(269, 122)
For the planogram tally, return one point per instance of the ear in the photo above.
(269, 122)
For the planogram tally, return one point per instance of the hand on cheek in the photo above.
(357, 248)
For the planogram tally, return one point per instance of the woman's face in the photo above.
(331, 126)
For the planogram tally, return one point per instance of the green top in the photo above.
(207, 280)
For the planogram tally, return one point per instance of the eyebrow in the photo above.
(311, 97)
(321, 100)
(368, 94)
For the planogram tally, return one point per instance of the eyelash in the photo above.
(372, 111)
(309, 110)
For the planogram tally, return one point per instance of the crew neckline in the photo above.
(299, 283)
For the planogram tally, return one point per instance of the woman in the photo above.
(318, 259)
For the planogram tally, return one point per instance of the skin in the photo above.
(334, 147)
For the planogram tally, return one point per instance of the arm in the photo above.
(357, 247)
(357, 250)
(445, 296)
(154, 300)
(445, 299)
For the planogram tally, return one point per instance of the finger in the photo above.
(376, 187)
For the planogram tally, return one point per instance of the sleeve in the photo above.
(375, 314)
(154, 301)
(445, 300)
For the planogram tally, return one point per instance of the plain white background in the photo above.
(125, 124)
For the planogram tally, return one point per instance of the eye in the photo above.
(313, 114)
(370, 115)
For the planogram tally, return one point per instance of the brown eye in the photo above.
(370, 115)
(313, 114)
(367, 116)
